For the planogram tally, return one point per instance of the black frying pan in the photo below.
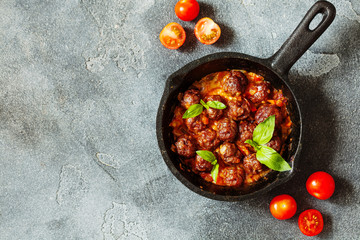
(275, 70)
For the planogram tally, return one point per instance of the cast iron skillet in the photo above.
(275, 70)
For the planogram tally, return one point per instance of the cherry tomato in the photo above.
(283, 207)
(311, 222)
(172, 36)
(320, 185)
(187, 10)
(207, 31)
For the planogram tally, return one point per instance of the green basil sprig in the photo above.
(193, 111)
(216, 104)
(196, 109)
(215, 172)
(264, 131)
(210, 157)
(204, 104)
(270, 157)
(266, 155)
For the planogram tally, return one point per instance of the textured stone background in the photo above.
(80, 85)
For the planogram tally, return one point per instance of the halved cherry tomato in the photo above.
(283, 207)
(311, 222)
(172, 36)
(187, 10)
(320, 185)
(207, 31)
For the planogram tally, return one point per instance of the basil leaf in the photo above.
(269, 157)
(193, 111)
(253, 144)
(264, 131)
(216, 104)
(204, 104)
(215, 172)
(207, 155)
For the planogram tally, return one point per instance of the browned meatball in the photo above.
(251, 164)
(258, 92)
(202, 165)
(266, 111)
(227, 129)
(232, 176)
(213, 113)
(238, 110)
(191, 96)
(228, 149)
(275, 143)
(235, 84)
(230, 153)
(208, 139)
(185, 146)
(195, 124)
(246, 130)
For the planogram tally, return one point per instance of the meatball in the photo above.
(185, 146)
(202, 165)
(208, 139)
(246, 130)
(213, 113)
(258, 92)
(230, 153)
(266, 111)
(228, 149)
(227, 129)
(235, 84)
(251, 164)
(275, 143)
(191, 96)
(195, 124)
(232, 176)
(238, 110)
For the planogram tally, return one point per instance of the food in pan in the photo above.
(231, 128)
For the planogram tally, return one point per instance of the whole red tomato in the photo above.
(283, 207)
(320, 185)
(187, 10)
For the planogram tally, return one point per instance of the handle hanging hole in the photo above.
(315, 22)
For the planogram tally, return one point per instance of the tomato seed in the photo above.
(176, 31)
(210, 36)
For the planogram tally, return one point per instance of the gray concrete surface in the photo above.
(80, 85)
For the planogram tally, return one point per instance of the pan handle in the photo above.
(302, 37)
